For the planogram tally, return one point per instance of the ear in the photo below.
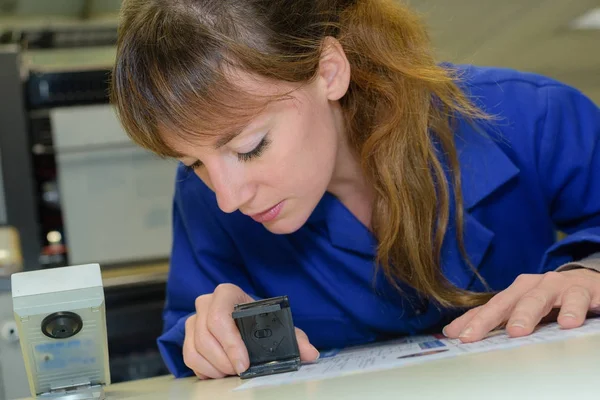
(334, 69)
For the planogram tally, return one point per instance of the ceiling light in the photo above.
(588, 21)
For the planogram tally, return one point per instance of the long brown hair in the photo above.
(170, 75)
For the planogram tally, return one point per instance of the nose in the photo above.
(231, 188)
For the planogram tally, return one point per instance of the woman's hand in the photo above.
(213, 346)
(529, 299)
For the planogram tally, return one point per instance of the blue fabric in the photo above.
(532, 172)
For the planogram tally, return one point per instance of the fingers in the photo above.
(193, 360)
(213, 346)
(207, 345)
(477, 323)
(490, 316)
(575, 302)
(201, 377)
(198, 363)
(222, 326)
(535, 304)
(454, 329)
(528, 301)
(307, 351)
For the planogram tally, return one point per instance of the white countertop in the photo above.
(557, 370)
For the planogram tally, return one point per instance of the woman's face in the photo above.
(278, 168)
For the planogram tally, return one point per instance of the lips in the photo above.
(268, 215)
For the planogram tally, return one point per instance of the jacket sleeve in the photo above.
(569, 165)
(202, 257)
(592, 262)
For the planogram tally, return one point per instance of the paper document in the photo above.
(411, 350)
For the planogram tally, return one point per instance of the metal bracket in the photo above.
(76, 392)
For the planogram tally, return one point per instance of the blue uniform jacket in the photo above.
(535, 171)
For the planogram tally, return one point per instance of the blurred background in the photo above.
(560, 39)
(74, 190)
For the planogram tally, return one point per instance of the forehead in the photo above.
(250, 104)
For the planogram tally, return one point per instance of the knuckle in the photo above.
(498, 305)
(224, 288)
(537, 296)
(553, 276)
(522, 316)
(523, 279)
(477, 315)
(474, 311)
(477, 321)
(578, 291)
(202, 301)
(230, 348)
(189, 323)
(215, 321)
(465, 318)
(582, 280)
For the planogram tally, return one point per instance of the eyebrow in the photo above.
(228, 137)
(223, 140)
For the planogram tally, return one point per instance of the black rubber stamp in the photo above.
(267, 329)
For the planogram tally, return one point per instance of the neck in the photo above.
(348, 182)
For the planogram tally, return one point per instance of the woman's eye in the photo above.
(194, 166)
(256, 152)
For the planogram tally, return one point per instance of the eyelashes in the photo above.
(256, 152)
(242, 157)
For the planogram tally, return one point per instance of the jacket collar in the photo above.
(485, 168)
(344, 229)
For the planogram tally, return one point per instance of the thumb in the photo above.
(307, 351)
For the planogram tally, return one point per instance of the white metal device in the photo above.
(61, 320)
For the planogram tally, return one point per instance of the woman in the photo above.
(327, 157)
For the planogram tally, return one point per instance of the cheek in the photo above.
(320, 141)
(301, 158)
(307, 156)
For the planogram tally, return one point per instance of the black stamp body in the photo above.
(267, 329)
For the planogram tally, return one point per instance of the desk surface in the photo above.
(558, 370)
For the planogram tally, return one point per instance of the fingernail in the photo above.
(465, 333)
(318, 353)
(518, 324)
(240, 367)
(569, 315)
(444, 331)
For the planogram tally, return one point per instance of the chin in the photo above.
(284, 225)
